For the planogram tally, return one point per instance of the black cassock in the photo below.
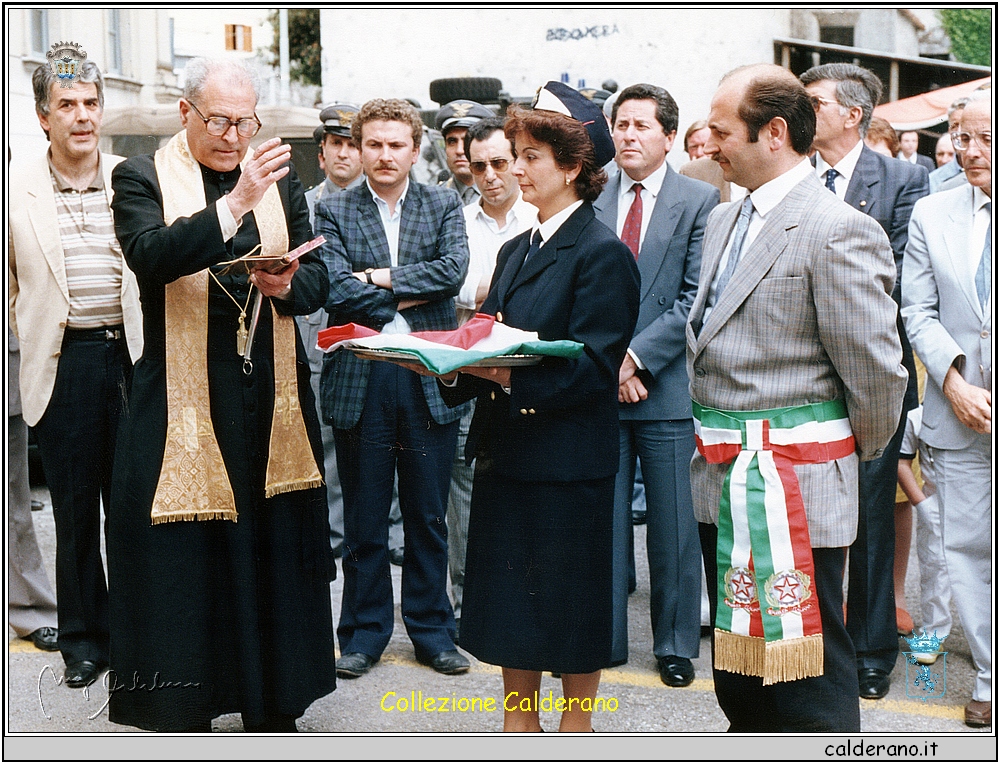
(214, 617)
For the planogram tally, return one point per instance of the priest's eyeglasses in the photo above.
(498, 165)
(962, 141)
(219, 126)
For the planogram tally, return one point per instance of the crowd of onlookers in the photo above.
(842, 298)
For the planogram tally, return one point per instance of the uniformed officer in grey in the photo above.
(453, 121)
(340, 160)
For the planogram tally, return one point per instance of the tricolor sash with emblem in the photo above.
(767, 621)
(193, 482)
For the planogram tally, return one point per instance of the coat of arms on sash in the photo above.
(65, 60)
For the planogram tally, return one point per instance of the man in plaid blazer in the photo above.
(804, 317)
(397, 255)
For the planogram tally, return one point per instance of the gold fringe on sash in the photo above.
(784, 660)
(193, 483)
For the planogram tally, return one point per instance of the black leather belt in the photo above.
(103, 333)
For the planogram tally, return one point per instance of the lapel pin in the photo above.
(863, 202)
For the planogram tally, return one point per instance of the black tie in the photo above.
(536, 244)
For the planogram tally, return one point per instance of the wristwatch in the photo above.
(368, 275)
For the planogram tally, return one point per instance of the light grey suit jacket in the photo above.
(669, 263)
(943, 316)
(807, 317)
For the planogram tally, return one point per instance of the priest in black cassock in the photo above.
(219, 560)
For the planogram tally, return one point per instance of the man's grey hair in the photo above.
(235, 71)
(957, 105)
(43, 77)
(856, 86)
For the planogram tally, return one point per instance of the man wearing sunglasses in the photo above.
(219, 559)
(948, 309)
(498, 215)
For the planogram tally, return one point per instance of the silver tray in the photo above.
(517, 359)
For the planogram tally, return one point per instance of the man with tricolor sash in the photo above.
(795, 375)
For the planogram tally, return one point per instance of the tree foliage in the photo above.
(303, 44)
(969, 30)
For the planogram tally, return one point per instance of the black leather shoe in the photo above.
(638, 518)
(45, 638)
(675, 671)
(446, 662)
(353, 665)
(396, 557)
(81, 673)
(873, 683)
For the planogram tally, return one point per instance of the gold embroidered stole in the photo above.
(193, 482)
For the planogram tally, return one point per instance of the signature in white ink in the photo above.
(111, 686)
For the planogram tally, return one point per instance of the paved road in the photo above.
(635, 699)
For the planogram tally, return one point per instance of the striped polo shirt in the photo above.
(93, 257)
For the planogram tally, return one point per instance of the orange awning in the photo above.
(926, 109)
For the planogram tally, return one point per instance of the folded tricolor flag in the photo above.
(442, 352)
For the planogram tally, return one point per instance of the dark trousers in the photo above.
(76, 441)
(871, 598)
(664, 449)
(395, 434)
(827, 703)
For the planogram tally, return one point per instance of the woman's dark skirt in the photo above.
(538, 574)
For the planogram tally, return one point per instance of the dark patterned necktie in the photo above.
(830, 175)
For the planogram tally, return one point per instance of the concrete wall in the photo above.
(396, 53)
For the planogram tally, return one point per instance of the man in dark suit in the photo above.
(908, 143)
(397, 255)
(886, 190)
(661, 216)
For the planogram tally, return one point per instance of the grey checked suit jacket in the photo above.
(669, 263)
(807, 317)
(944, 318)
(433, 261)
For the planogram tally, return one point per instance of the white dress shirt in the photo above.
(485, 239)
(390, 223)
(845, 169)
(650, 189)
(765, 199)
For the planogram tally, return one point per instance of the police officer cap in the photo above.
(561, 98)
(337, 118)
(460, 113)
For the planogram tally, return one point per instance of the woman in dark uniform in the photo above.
(545, 437)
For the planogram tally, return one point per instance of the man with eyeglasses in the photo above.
(453, 120)
(74, 306)
(950, 175)
(218, 541)
(661, 216)
(497, 216)
(948, 309)
(885, 189)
